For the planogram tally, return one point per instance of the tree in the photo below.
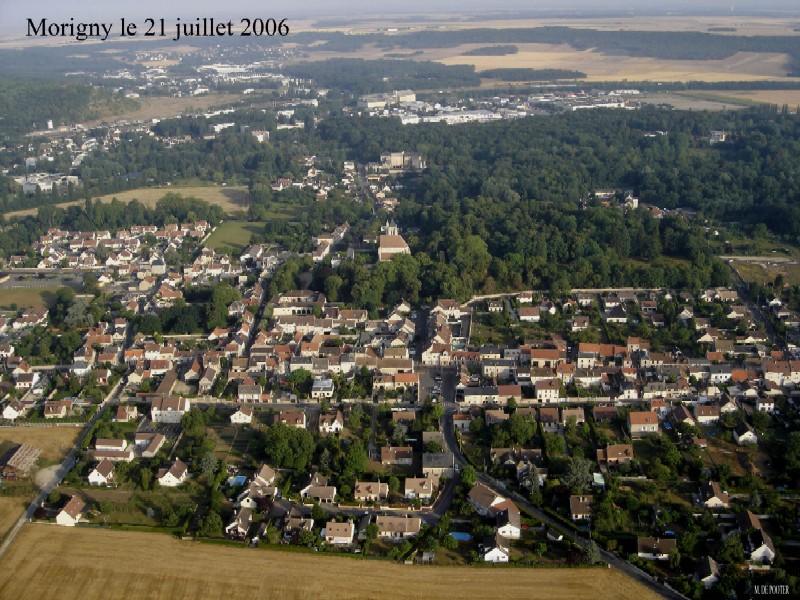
(394, 484)
(211, 525)
(273, 535)
(318, 513)
(355, 458)
(578, 476)
(469, 476)
(289, 447)
(591, 554)
(674, 558)
(731, 551)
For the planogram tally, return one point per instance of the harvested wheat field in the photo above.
(48, 562)
(11, 508)
(54, 442)
(742, 66)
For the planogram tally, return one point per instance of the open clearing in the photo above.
(766, 273)
(49, 562)
(162, 107)
(234, 234)
(230, 198)
(54, 442)
(27, 297)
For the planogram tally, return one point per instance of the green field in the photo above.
(234, 234)
(27, 297)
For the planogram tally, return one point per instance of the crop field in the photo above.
(234, 234)
(48, 562)
(230, 198)
(54, 442)
(11, 508)
(742, 66)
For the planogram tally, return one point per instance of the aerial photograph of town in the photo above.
(418, 300)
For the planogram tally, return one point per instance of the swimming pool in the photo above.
(461, 536)
(234, 481)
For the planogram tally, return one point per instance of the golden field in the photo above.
(229, 198)
(47, 561)
(54, 442)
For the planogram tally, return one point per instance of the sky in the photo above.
(14, 14)
(13, 10)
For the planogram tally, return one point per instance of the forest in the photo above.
(514, 74)
(26, 105)
(361, 76)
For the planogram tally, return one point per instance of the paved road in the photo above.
(64, 468)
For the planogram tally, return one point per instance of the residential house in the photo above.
(339, 534)
(292, 418)
(509, 524)
(242, 416)
(174, 476)
(483, 499)
(14, 409)
(744, 433)
(397, 528)
(580, 507)
(149, 443)
(708, 572)
(329, 423)
(651, 548)
(420, 488)
(615, 454)
(370, 491)
(102, 474)
(240, 523)
(706, 414)
(438, 464)
(547, 390)
(71, 513)
(642, 423)
(496, 549)
(169, 409)
(712, 496)
(397, 455)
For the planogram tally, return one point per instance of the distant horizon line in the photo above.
(10, 29)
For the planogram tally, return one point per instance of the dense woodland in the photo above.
(505, 205)
(361, 76)
(26, 105)
(513, 74)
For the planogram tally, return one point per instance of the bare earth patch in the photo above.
(48, 562)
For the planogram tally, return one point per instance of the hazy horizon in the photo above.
(13, 16)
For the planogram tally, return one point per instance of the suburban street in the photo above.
(63, 469)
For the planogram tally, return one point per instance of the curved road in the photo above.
(611, 559)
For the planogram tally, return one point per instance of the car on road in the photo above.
(437, 377)
(436, 390)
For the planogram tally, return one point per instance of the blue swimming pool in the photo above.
(234, 481)
(461, 536)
